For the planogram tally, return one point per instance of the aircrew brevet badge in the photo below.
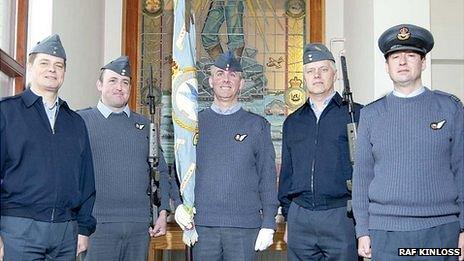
(240, 137)
(404, 34)
(139, 126)
(437, 125)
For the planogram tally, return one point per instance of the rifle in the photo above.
(350, 127)
(348, 99)
(153, 154)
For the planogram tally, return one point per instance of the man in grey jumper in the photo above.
(119, 142)
(408, 180)
(235, 183)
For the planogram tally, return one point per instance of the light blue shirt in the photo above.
(318, 111)
(227, 111)
(50, 111)
(412, 94)
(106, 112)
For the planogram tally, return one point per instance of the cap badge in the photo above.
(437, 125)
(404, 34)
(240, 137)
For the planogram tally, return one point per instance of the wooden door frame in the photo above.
(14, 65)
(315, 32)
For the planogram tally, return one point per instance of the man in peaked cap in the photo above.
(316, 166)
(408, 180)
(235, 183)
(119, 142)
(47, 188)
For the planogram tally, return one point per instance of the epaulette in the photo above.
(379, 99)
(248, 110)
(453, 97)
(85, 109)
(10, 97)
(254, 114)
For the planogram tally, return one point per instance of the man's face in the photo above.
(115, 89)
(47, 72)
(405, 67)
(226, 84)
(320, 77)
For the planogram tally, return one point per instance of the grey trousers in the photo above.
(27, 239)
(385, 244)
(225, 243)
(320, 235)
(119, 241)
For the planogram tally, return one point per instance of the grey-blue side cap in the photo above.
(50, 45)
(315, 52)
(120, 66)
(406, 37)
(228, 62)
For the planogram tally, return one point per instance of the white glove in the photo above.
(264, 239)
(183, 217)
(190, 237)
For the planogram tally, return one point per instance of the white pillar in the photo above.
(113, 30)
(80, 25)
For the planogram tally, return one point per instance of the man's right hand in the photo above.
(1, 249)
(364, 246)
(183, 217)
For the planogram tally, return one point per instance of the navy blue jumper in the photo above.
(315, 157)
(46, 174)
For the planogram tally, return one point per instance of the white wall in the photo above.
(447, 22)
(80, 25)
(334, 33)
(113, 30)
(360, 50)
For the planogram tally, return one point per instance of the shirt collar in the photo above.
(326, 101)
(412, 94)
(29, 98)
(55, 104)
(336, 98)
(106, 112)
(227, 111)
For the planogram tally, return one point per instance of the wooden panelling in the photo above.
(131, 43)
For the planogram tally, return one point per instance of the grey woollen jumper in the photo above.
(120, 152)
(236, 180)
(408, 176)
